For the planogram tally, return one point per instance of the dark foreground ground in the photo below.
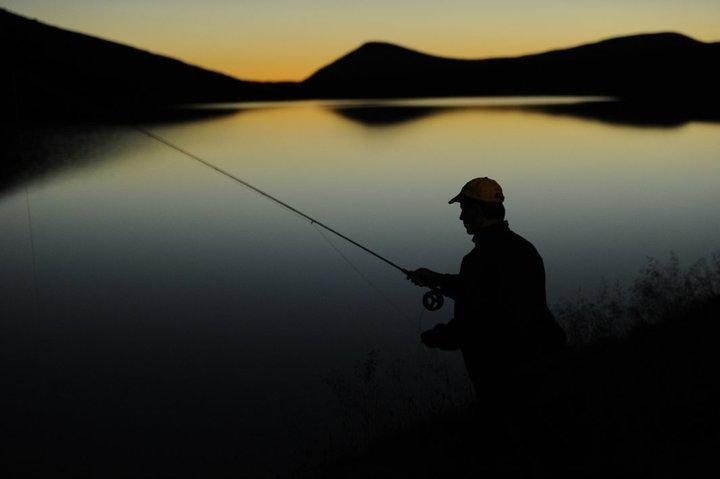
(644, 406)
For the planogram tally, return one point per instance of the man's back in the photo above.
(500, 302)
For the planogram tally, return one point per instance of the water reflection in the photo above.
(646, 115)
(378, 115)
(36, 151)
(180, 309)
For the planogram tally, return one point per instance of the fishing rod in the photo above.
(432, 300)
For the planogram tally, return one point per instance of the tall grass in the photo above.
(659, 291)
(384, 396)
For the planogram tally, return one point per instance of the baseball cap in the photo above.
(481, 189)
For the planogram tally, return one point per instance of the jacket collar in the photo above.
(491, 232)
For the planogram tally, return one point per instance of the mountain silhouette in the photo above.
(638, 66)
(54, 70)
(60, 73)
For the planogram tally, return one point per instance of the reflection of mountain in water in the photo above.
(637, 114)
(384, 115)
(35, 152)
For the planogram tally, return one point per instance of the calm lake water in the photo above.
(155, 309)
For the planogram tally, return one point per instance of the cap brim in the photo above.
(456, 199)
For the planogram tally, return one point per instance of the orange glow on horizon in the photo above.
(291, 64)
(287, 41)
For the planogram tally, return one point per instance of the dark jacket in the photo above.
(501, 313)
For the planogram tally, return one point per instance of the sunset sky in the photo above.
(288, 40)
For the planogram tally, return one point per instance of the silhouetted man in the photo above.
(501, 318)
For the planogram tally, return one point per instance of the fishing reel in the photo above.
(433, 300)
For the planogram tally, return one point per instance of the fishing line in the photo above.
(36, 290)
(268, 196)
(432, 300)
(362, 275)
(359, 273)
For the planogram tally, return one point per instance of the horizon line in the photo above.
(360, 45)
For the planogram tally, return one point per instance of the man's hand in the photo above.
(431, 337)
(423, 277)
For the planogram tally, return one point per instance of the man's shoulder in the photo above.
(517, 244)
(518, 240)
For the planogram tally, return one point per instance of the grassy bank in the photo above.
(637, 393)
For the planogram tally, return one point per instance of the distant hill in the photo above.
(51, 69)
(57, 72)
(639, 66)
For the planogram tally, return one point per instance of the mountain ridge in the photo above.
(638, 65)
(57, 70)
(375, 45)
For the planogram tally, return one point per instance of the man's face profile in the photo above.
(471, 216)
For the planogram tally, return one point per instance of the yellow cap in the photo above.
(481, 189)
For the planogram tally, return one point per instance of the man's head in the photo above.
(481, 204)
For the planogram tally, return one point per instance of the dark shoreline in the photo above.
(644, 406)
